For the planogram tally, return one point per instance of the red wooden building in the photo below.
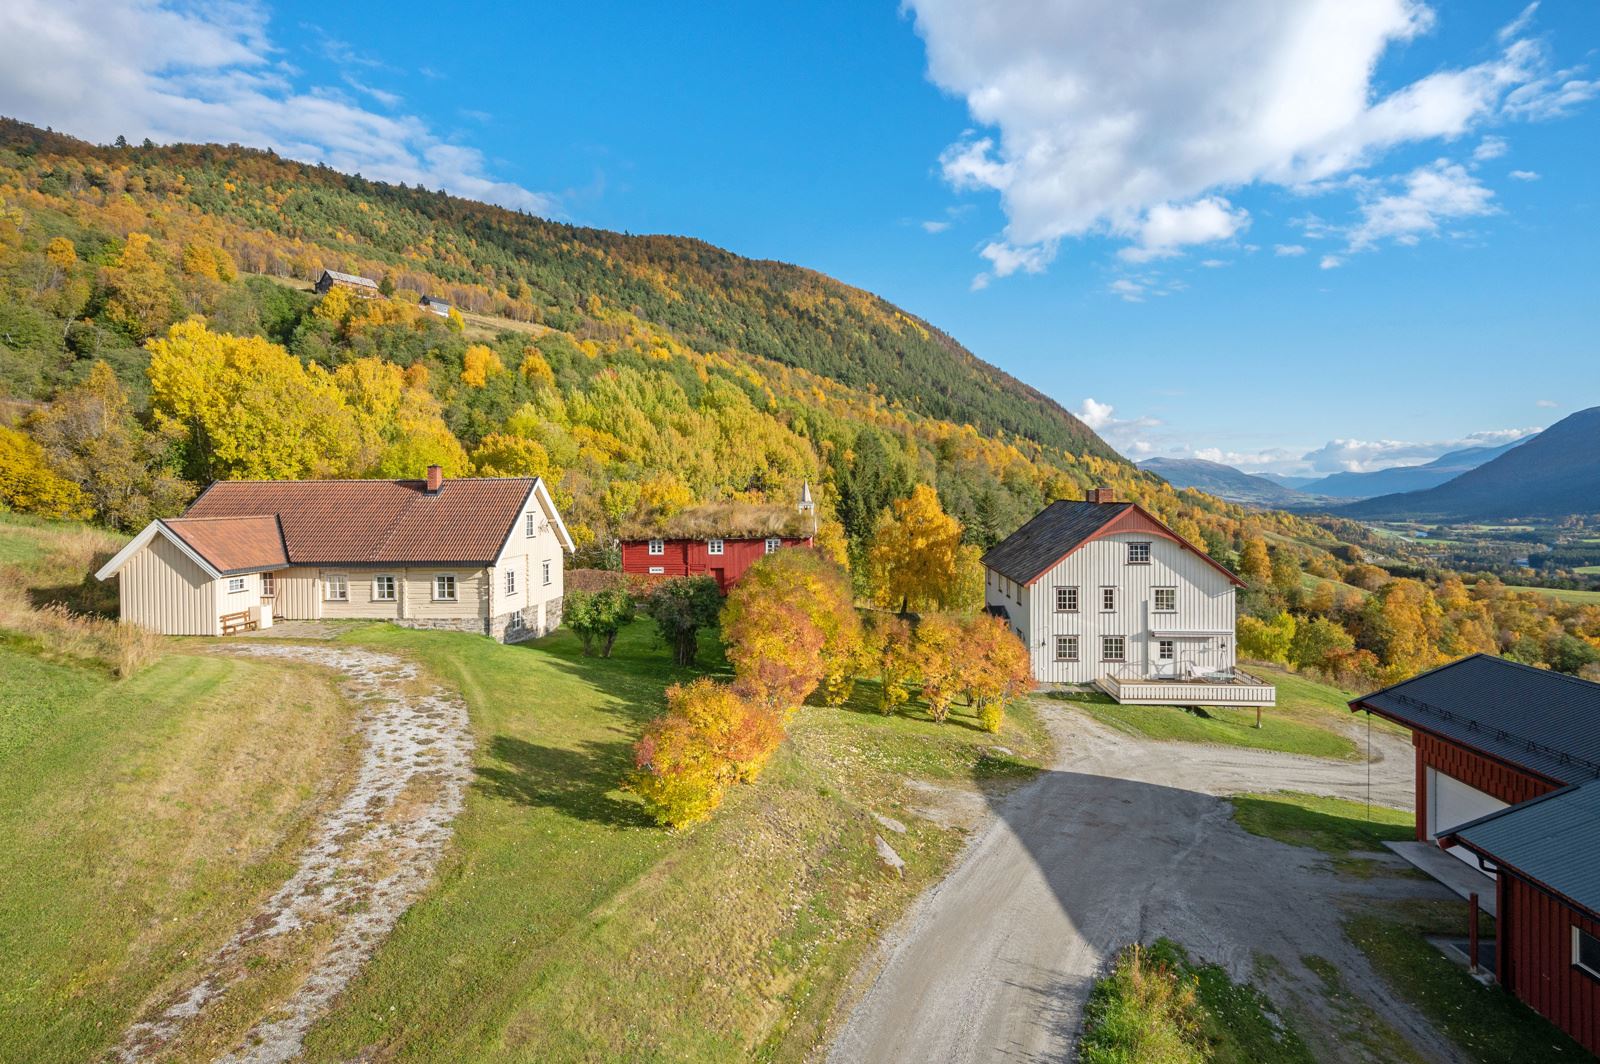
(1508, 780)
(720, 540)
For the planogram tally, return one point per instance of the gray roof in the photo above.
(1546, 722)
(432, 301)
(1554, 839)
(1053, 533)
(352, 278)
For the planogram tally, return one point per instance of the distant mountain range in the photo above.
(1404, 478)
(1552, 474)
(1226, 482)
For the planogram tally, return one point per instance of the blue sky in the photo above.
(1337, 234)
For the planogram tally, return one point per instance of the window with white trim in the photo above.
(1166, 649)
(1066, 600)
(1108, 600)
(511, 581)
(236, 584)
(658, 547)
(1585, 951)
(1066, 648)
(1113, 648)
(658, 570)
(383, 588)
(444, 587)
(1166, 599)
(546, 571)
(773, 543)
(1139, 553)
(530, 525)
(335, 587)
(714, 546)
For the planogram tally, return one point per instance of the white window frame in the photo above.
(237, 585)
(1070, 593)
(455, 587)
(716, 547)
(1166, 650)
(530, 524)
(773, 543)
(511, 581)
(546, 572)
(332, 582)
(1578, 935)
(1122, 643)
(1139, 547)
(658, 570)
(1108, 595)
(378, 587)
(657, 547)
(1071, 642)
(1155, 599)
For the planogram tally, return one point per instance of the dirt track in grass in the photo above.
(369, 859)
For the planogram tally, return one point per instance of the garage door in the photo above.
(1452, 803)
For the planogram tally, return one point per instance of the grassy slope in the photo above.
(565, 927)
(1308, 719)
(140, 821)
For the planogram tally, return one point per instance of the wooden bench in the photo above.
(237, 622)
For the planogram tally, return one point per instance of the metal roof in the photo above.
(1053, 533)
(352, 278)
(1553, 839)
(1542, 721)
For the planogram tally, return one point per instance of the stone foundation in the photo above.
(514, 627)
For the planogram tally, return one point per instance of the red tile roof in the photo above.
(233, 544)
(380, 521)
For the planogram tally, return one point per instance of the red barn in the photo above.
(1508, 780)
(720, 540)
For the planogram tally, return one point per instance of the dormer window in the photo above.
(714, 547)
(658, 547)
(1139, 553)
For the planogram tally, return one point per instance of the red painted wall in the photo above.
(1534, 942)
(1491, 777)
(689, 557)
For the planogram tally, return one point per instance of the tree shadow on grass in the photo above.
(864, 701)
(579, 783)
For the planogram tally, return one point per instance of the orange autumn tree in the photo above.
(939, 652)
(890, 649)
(790, 625)
(709, 739)
(994, 668)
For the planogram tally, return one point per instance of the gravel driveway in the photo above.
(1124, 839)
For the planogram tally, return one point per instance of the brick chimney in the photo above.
(1100, 495)
(435, 479)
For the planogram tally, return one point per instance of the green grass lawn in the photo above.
(1305, 721)
(1488, 1024)
(1582, 598)
(1336, 826)
(565, 926)
(140, 820)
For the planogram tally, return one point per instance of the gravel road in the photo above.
(1124, 839)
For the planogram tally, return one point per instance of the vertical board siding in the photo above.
(525, 555)
(1535, 941)
(1481, 773)
(1205, 601)
(689, 557)
(299, 593)
(161, 588)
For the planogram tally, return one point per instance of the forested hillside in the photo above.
(157, 332)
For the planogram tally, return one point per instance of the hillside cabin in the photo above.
(481, 555)
(434, 306)
(365, 287)
(1508, 780)
(720, 540)
(1101, 592)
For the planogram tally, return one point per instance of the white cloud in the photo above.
(1167, 228)
(1548, 404)
(1288, 249)
(1490, 148)
(1007, 259)
(935, 226)
(1119, 432)
(1362, 456)
(1214, 264)
(1131, 291)
(1524, 175)
(1245, 459)
(170, 72)
(1330, 262)
(1115, 119)
(1429, 194)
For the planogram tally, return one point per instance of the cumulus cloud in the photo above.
(1119, 432)
(189, 72)
(1524, 175)
(1490, 148)
(1429, 194)
(1128, 120)
(1130, 291)
(1362, 456)
(1330, 262)
(1288, 249)
(1271, 456)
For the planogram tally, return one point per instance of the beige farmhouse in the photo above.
(474, 555)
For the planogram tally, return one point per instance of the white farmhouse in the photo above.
(1102, 592)
(479, 555)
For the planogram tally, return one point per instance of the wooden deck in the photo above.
(1234, 689)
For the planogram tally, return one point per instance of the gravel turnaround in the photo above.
(1123, 840)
